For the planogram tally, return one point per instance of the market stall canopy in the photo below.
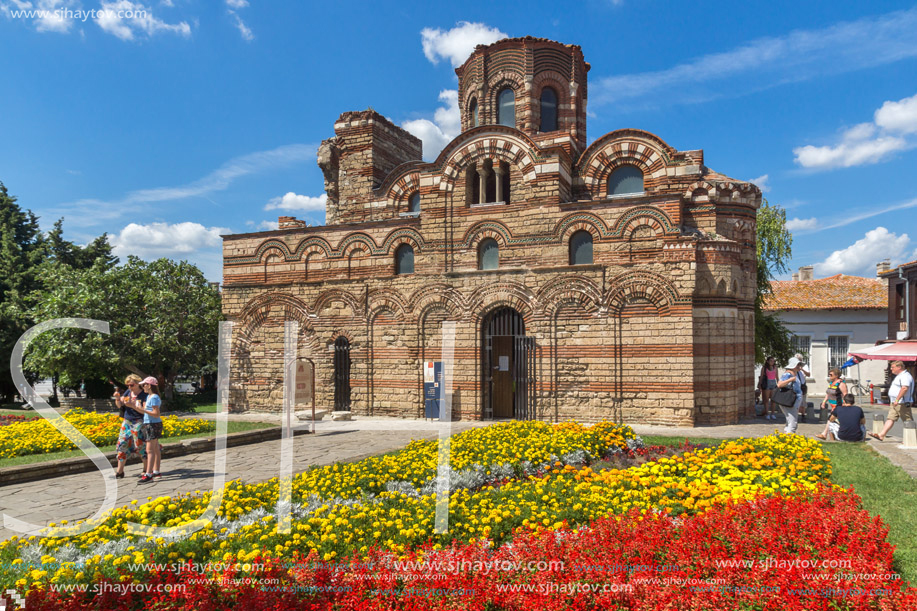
(894, 351)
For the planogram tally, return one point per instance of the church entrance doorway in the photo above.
(508, 367)
(341, 375)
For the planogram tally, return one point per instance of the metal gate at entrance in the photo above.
(508, 362)
(341, 375)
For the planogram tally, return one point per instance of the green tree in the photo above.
(163, 319)
(22, 250)
(64, 252)
(774, 249)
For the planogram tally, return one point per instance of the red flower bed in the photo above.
(6, 419)
(821, 552)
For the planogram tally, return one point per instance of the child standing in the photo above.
(152, 428)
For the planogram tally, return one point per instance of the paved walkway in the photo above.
(78, 496)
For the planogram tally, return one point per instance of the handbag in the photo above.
(785, 397)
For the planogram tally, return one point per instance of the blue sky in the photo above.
(172, 122)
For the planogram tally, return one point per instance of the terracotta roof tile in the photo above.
(838, 292)
(893, 271)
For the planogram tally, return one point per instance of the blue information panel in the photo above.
(432, 383)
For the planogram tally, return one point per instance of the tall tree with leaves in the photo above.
(65, 252)
(163, 319)
(774, 249)
(22, 250)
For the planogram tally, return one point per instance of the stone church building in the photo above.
(612, 280)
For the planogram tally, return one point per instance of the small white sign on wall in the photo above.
(504, 363)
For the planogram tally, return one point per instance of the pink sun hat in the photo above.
(150, 380)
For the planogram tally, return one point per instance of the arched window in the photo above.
(506, 108)
(473, 112)
(626, 179)
(414, 202)
(488, 254)
(404, 259)
(581, 248)
(548, 110)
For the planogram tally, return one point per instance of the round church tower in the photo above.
(536, 85)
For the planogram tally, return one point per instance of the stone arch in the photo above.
(569, 290)
(494, 142)
(311, 258)
(255, 312)
(312, 243)
(499, 294)
(355, 238)
(359, 260)
(572, 223)
(701, 192)
(640, 285)
(487, 229)
(439, 293)
(270, 245)
(497, 83)
(332, 295)
(635, 147)
(387, 298)
(703, 286)
(643, 215)
(397, 237)
(561, 86)
(402, 189)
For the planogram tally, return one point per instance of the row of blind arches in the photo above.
(579, 253)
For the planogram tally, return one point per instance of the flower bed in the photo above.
(816, 551)
(511, 483)
(38, 435)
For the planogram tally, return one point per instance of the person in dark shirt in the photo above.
(847, 421)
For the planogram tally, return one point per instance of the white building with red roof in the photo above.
(830, 317)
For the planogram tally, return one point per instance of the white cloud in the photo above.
(769, 62)
(859, 145)
(244, 30)
(49, 15)
(92, 212)
(860, 258)
(866, 143)
(457, 43)
(445, 126)
(165, 240)
(127, 20)
(761, 183)
(292, 201)
(900, 116)
(795, 224)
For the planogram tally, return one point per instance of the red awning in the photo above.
(895, 351)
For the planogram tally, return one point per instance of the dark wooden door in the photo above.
(503, 374)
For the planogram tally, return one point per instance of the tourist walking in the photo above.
(767, 382)
(130, 438)
(790, 379)
(901, 395)
(152, 428)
